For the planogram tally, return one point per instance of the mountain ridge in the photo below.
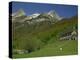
(50, 17)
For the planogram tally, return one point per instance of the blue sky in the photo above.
(66, 11)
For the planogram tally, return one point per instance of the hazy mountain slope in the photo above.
(42, 33)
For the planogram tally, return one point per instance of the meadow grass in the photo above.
(69, 48)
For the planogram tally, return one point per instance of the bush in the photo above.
(32, 44)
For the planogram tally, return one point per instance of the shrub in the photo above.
(32, 44)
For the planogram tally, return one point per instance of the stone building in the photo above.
(71, 35)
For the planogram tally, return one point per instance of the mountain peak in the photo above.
(35, 15)
(53, 13)
(19, 13)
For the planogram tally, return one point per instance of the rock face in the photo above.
(20, 17)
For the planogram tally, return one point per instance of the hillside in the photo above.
(42, 39)
(69, 48)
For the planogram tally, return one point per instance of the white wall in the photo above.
(4, 29)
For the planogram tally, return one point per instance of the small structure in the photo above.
(71, 35)
(74, 35)
(17, 51)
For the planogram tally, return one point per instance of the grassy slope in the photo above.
(52, 47)
(69, 48)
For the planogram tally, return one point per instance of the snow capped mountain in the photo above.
(21, 17)
(35, 15)
(18, 13)
(53, 14)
